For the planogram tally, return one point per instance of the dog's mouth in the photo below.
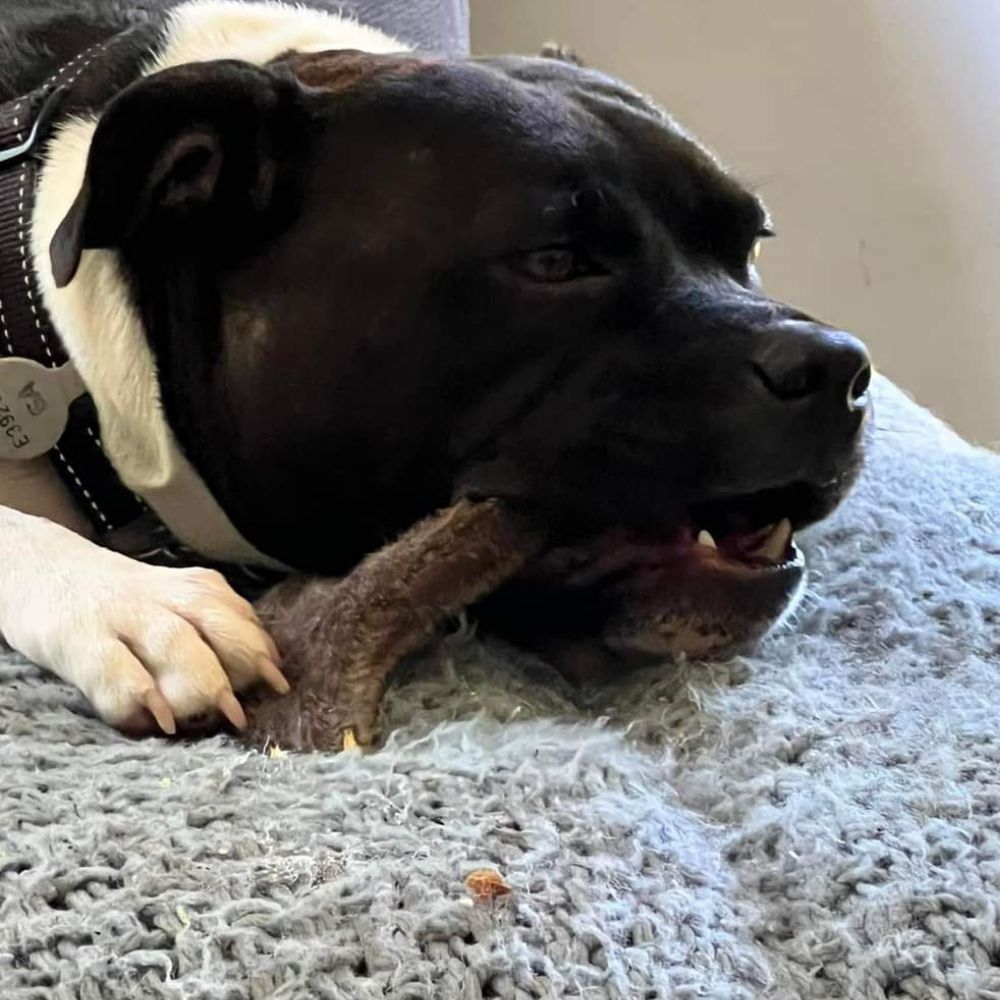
(747, 536)
(716, 579)
(619, 552)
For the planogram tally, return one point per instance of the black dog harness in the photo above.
(30, 399)
(44, 408)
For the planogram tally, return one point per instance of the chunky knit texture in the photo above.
(821, 819)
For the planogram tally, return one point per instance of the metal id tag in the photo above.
(34, 406)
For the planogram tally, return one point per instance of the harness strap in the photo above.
(79, 86)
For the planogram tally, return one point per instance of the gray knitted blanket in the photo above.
(819, 820)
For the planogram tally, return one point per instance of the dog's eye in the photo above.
(551, 264)
(758, 244)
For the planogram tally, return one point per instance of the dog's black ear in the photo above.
(562, 53)
(196, 144)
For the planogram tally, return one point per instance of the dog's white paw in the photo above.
(143, 643)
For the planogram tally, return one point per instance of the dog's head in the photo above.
(373, 283)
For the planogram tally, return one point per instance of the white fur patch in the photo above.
(259, 32)
(102, 331)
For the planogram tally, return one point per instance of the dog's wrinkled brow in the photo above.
(343, 70)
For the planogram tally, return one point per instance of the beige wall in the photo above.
(872, 130)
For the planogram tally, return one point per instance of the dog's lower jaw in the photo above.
(656, 632)
(660, 632)
(622, 601)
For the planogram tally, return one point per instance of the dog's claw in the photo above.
(273, 653)
(231, 709)
(158, 708)
(272, 676)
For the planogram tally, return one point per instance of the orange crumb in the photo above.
(485, 884)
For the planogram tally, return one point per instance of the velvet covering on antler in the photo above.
(340, 639)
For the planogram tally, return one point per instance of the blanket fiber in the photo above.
(820, 819)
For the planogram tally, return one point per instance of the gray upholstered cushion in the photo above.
(437, 25)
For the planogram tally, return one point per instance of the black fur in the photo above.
(406, 357)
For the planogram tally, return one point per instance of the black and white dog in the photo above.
(309, 287)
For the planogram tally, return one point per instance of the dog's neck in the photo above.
(95, 316)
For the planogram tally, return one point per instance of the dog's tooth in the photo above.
(774, 547)
(705, 538)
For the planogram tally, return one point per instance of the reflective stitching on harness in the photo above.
(6, 332)
(83, 59)
(22, 244)
(28, 122)
(17, 119)
(90, 54)
(3, 318)
(83, 489)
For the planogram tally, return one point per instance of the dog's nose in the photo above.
(805, 359)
